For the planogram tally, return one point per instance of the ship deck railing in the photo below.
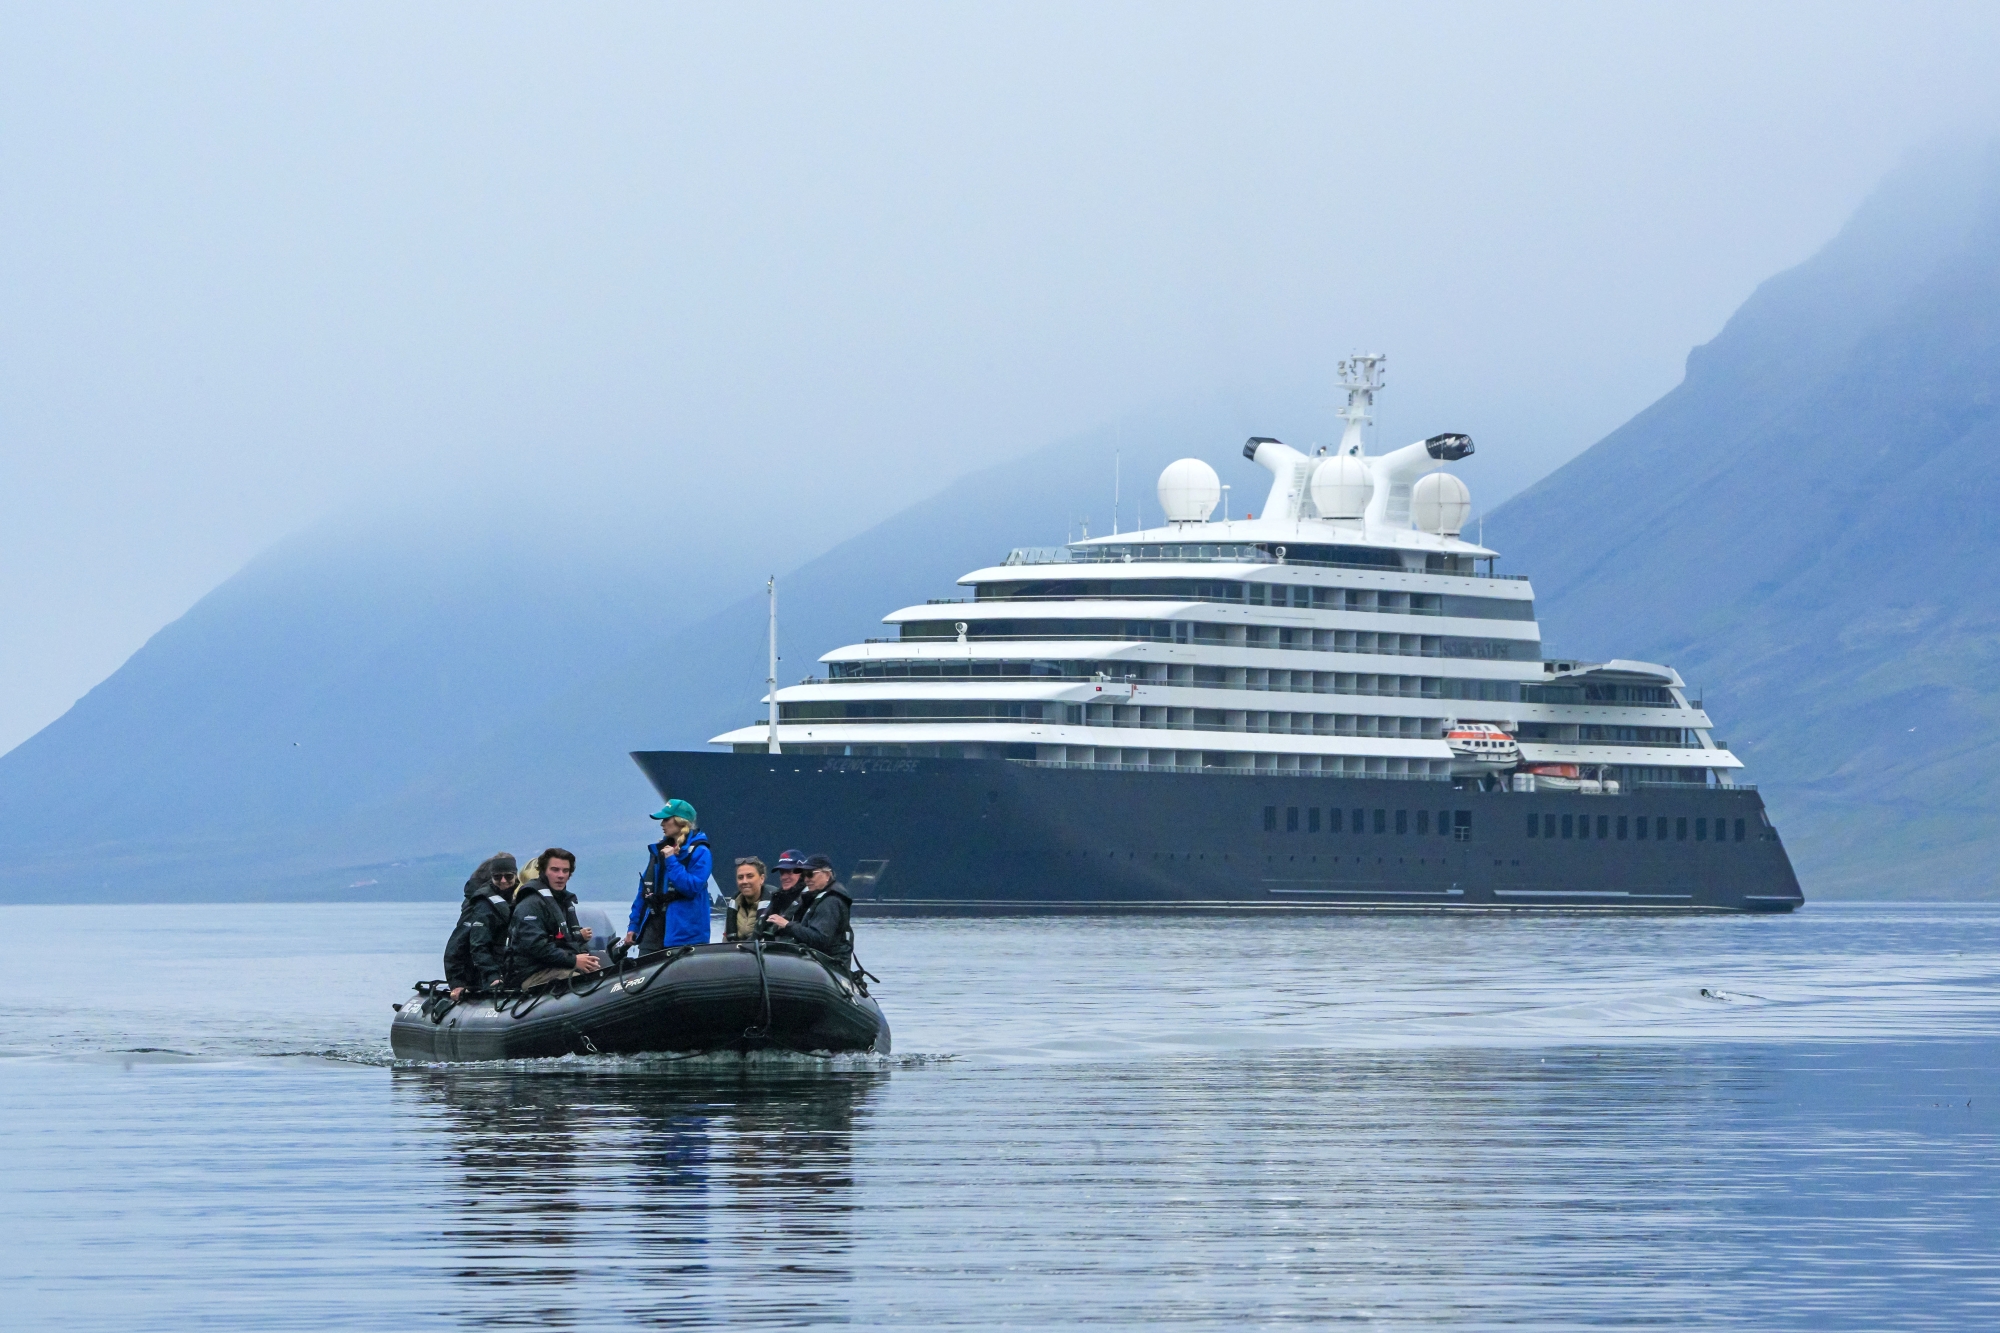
(1192, 597)
(1220, 770)
(1212, 553)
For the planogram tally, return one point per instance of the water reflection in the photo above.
(665, 1195)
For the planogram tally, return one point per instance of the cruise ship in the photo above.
(1333, 701)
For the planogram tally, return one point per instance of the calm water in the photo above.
(1402, 1121)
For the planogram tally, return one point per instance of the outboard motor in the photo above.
(598, 922)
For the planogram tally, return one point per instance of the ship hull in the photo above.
(994, 836)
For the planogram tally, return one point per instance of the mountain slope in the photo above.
(1804, 526)
(363, 709)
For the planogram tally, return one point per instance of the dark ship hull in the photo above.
(996, 836)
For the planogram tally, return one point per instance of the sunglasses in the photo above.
(505, 874)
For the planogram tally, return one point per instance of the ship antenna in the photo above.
(1117, 474)
(1361, 376)
(771, 680)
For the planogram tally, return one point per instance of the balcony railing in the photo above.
(1208, 553)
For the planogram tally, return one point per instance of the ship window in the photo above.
(1660, 828)
(1622, 823)
(1534, 825)
(1359, 825)
(1423, 822)
(1642, 828)
(1381, 821)
(1739, 830)
(1402, 822)
(1333, 819)
(1583, 826)
(1312, 819)
(1270, 819)
(1569, 825)
(1291, 819)
(1444, 823)
(1681, 829)
(1548, 826)
(1701, 830)
(1603, 827)
(1461, 826)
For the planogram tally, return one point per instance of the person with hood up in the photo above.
(475, 957)
(544, 943)
(671, 908)
(823, 920)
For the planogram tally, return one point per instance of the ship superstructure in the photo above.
(1346, 628)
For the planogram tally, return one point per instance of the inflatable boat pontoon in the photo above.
(703, 997)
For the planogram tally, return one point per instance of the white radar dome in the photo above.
(1440, 503)
(1189, 491)
(1340, 487)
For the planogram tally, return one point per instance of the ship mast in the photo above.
(771, 680)
(1361, 376)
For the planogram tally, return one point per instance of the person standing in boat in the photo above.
(824, 915)
(475, 957)
(741, 919)
(791, 870)
(544, 943)
(671, 908)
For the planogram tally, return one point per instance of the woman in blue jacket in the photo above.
(672, 906)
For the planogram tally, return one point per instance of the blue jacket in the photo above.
(682, 879)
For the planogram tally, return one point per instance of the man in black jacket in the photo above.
(475, 955)
(544, 943)
(822, 919)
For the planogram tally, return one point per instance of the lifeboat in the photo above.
(1480, 747)
(695, 999)
(1557, 777)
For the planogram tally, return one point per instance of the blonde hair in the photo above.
(677, 825)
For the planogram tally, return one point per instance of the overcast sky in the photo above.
(262, 262)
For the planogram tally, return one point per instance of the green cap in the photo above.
(677, 810)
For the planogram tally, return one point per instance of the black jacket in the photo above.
(783, 900)
(543, 932)
(475, 955)
(822, 923)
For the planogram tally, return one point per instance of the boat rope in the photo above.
(762, 1028)
(672, 957)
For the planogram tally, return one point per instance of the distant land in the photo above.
(1800, 527)
(1803, 527)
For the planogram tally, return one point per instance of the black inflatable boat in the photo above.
(703, 997)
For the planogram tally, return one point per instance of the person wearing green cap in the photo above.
(671, 908)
